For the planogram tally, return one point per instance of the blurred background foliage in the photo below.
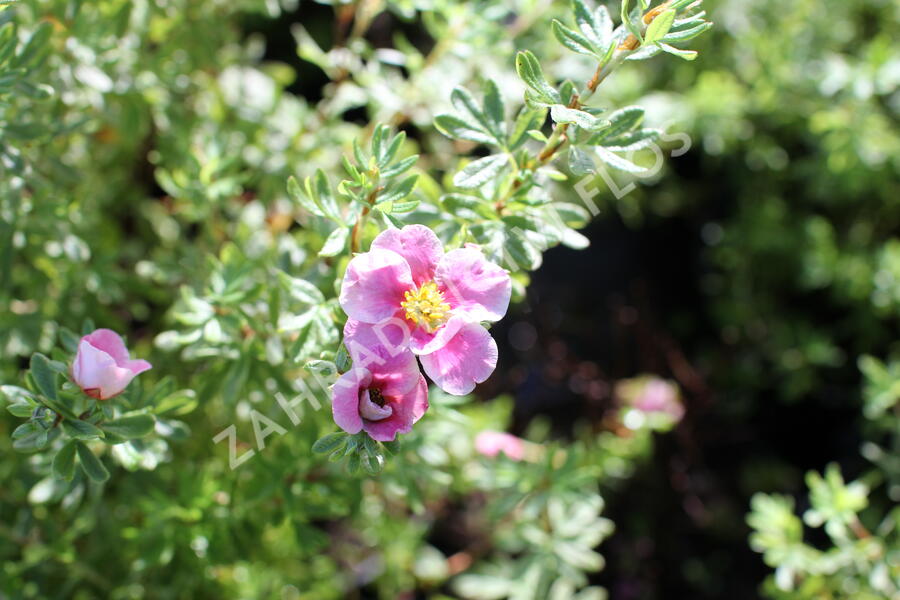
(145, 148)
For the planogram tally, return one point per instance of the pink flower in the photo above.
(657, 399)
(491, 443)
(384, 394)
(659, 396)
(102, 367)
(442, 298)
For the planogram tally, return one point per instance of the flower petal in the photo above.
(418, 245)
(467, 359)
(345, 399)
(96, 372)
(492, 443)
(422, 341)
(408, 408)
(370, 411)
(110, 342)
(374, 284)
(138, 366)
(473, 285)
(380, 343)
(383, 349)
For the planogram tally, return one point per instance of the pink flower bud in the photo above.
(102, 367)
(492, 443)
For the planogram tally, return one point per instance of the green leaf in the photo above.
(44, 376)
(620, 122)
(659, 26)
(301, 290)
(398, 191)
(471, 113)
(401, 166)
(7, 42)
(69, 340)
(35, 440)
(131, 427)
(626, 18)
(177, 403)
(479, 172)
(336, 242)
(455, 128)
(574, 41)
(528, 119)
(64, 461)
(585, 120)
(685, 54)
(683, 35)
(371, 462)
(342, 359)
(81, 430)
(20, 409)
(323, 367)
(330, 443)
(529, 69)
(633, 141)
(91, 465)
(597, 26)
(26, 429)
(353, 464)
(36, 48)
(324, 195)
(617, 162)
(298, 196)
(466, 206)
(580, 162)
(493, 111)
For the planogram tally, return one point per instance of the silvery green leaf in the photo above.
(585, 120)
(574, 41)
(493, 111)
(684, 54)
(683, 35)
(336, 242)
(595, 25)
(479, 172)
(529, 69)
(620, 122)
(617, 162)
(455, 128)
(580, 162)
(633, 141)
(298, 196)
(529, 119)
(300, 289)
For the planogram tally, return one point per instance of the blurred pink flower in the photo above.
(384, 394)
(491, 443)
(441, 298)
(102, 367)
(652, 396)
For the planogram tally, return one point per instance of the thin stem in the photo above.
(558, 139)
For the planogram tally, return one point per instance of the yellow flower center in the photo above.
(425, 306)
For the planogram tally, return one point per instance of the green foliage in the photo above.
(159, 176)
(859, 559)
(160, 179)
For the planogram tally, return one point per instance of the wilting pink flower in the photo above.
(102, 367)
(492, 443)
(442, 298)
(384, 394)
